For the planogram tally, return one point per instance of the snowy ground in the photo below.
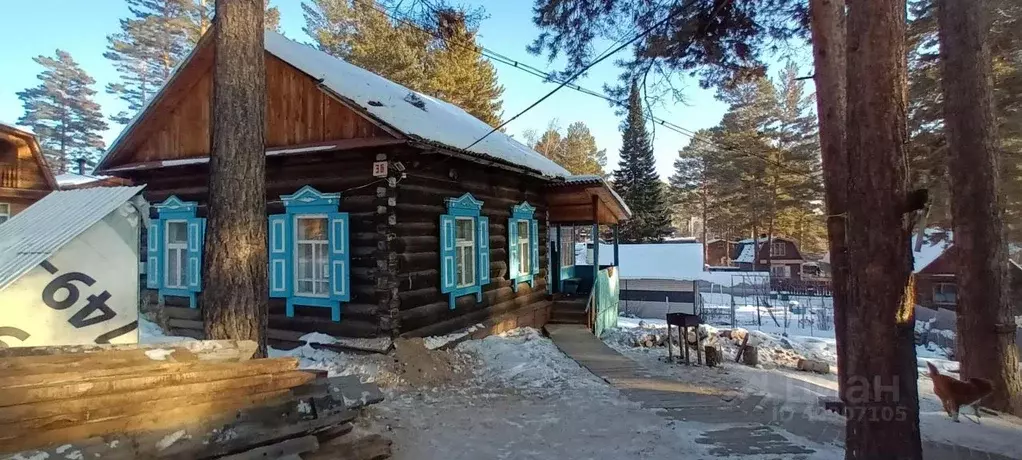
(777, 377)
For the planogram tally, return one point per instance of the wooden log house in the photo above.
(385, 216)
(24, 176)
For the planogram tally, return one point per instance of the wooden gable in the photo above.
(22, 166)
(176, 125)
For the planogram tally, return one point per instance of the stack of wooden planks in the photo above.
(189, 400)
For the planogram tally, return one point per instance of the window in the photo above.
(781, 271)
(524, 248)
(312, 273)
(5, 212)
(174, 250)
(567, 246)
(778, 248)
(308, 252)
(945, 294)
(464, 249)
(176, 256)
(523, 245)
(464, 240)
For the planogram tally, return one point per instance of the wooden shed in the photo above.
(387, 215)
(24, 176)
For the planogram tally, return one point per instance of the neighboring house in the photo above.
(719, 252)
(24, 176)
(81, 179)
(389, 212)
(781, 256)
(934, 270)
(69, 269)
(660, 278)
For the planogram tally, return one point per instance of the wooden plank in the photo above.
(193, 314)
(185, 324)
(132, 402)
(214, 410)
(281, 449)
(105, 385)
(208, 350)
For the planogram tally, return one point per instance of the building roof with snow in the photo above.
(35, 234)
(670, 261)
(935, 243)
(416, 116)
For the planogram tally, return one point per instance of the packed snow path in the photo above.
(750, 425)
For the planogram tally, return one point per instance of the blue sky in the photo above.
(81, 28)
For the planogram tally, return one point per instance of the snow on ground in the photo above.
(527, 400)
(150, 332)
(779, 381)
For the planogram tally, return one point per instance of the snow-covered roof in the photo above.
(935, 243)
(673, 261)
(748, 254)
(412, 113)
(69, 179)
(35, 234)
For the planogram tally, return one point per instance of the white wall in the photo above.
(108, 253)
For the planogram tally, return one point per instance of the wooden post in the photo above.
(596, 239)
(556, 278)
(617, 241)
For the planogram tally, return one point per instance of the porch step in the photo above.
(568, 311)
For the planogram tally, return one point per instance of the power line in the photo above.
(548, 77)
(583, 70)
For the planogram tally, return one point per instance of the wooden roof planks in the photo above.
(169, 402)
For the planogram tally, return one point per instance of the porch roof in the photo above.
(585, 199)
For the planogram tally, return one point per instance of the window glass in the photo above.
(567, 246)
(5, 212)
(464, 246)
(176, 256)
(777, 248)
(524, 254)
(945, 294)
(312, 274)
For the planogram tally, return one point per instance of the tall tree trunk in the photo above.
(881, 391)
(235, 294)
(827, 21)
(705, 200)
(986, 327)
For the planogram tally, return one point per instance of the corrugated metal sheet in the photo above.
(38, 232)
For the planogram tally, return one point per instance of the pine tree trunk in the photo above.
(235, 293)
(986, 327)
(827, 21)
(705, 194)
(880, 390)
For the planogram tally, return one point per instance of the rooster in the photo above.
(954, 393)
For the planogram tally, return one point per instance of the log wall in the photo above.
(348, 172)
(422, 309)
(395, 260)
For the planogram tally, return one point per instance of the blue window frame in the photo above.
(174, 250)
(464, 249)
(523, 245)
(309, 252)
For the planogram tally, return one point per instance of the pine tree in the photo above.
(358, 32)
(153, 41)
(582, 154)
(458, 73)
(146, 50)
(235, 292)
(575, 150)
(636, 179)
(62, 112)
(445, 63)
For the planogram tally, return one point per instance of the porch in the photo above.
(584, 290)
